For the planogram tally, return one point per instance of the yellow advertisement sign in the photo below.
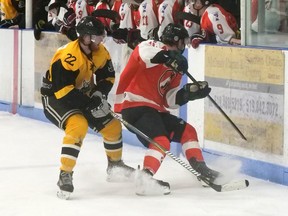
(248, 84)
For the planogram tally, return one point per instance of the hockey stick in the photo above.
(218, 107)
(106, 13)
(180, 15)
(237, 185)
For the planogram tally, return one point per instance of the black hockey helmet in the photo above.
(172, 33)
(90, 25)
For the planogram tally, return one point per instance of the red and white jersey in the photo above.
(102, 5)
(215, 20)
(148, 12)
(82, 9)
(126, 14)
(142, 83)
(190, 26)
(116, 5)
(71, 4)
(166, 13)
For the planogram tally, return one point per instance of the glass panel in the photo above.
(267, 23)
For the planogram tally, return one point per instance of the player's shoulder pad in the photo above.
(71, 56)
(103, 52)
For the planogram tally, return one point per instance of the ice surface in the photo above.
(29, 169)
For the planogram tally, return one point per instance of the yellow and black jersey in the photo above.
(7, 9)
(71, 69)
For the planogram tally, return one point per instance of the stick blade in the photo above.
(232, 186)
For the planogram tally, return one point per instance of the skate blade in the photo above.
(65, 195)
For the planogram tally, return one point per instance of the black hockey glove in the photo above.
(6, 23)
(97, 112)
(192, 91)
(120, 35)
(99, 107)
(197, 90)
(134, 38)
(172, 59)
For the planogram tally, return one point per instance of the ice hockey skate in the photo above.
(147, 185)
(206, 173)
(118, 171)
(65, 185)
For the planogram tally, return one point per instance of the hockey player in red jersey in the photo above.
(217, 25)
(149, 85)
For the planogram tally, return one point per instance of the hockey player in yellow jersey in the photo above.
(74, 93)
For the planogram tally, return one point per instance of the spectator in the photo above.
(107, 5)
(129, 22)
(62, 18)
(40, 18)
(191, 26)
(167, 13)
(217, 25)
(127, 34)
(149, 25)
(83, 8)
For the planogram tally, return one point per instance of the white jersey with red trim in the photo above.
(126, 16)
(71, 4)
(82, 9)
(142, 83)
(215, 20)
(190, 26)
(148, 11)
(166, 13)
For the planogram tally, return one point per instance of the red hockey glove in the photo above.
(198, 38)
